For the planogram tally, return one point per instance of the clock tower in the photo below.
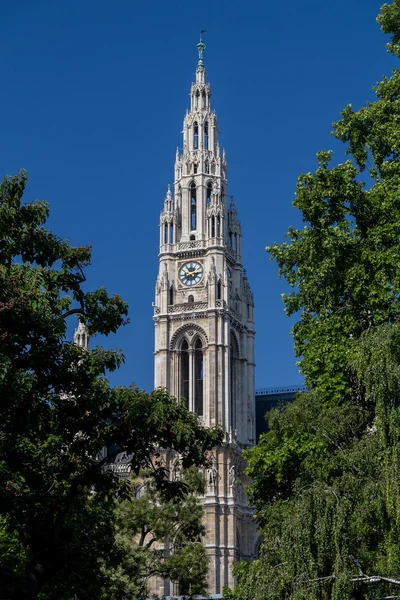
(204, 326)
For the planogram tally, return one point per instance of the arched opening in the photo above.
(171, 233)
(218, 226)
(197, 99)
(190, 299)
(230, 238)
(185, 372)
(171, 295)
(198, 372)
(212, 227)
(219, 290)
(193, 206)
(192, 238)
(166, 233)
(195, 167)
(195, 135)
(206, 135)
(204, 99)
(234, 356)
(209, 192)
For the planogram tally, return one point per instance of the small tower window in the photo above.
(248, 311)
(193, 206)
(197, 99)
(195, 135)
(218, 226)
(166, 233)
(230, 238)
(190, 299)
(212, 227)
(171, 295)
(204, 98)
(219, 290)
(192, 238)
(206, 135)
(209, 192)
(235, 242)
(195, 166)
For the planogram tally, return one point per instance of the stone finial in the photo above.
(200, 48)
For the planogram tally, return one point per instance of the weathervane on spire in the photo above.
(200, 48)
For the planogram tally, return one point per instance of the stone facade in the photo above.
(204, 327)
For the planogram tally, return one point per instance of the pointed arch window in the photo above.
(198, 373)
(171, 233)
(195, 135)
(206, 135)
(219, 290)
(218, 226)
(209, 192)
(193, 206)
(166, 233)
(212, 226)
(234, 355)
(185, 372)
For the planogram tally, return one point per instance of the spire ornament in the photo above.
(200, 48)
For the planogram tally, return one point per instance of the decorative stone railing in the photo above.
(187, 307)
(194, 244)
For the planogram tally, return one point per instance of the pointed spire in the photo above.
(200, 48)
(169, 193)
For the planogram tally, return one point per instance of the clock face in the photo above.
(191, 273)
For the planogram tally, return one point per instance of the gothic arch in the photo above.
(186, 331)
(195, 339)
(235, 343)
(257, 547)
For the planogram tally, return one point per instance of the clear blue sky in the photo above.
(92, 103)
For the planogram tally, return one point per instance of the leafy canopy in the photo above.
(146, 526)
(326, 475)
(59, 412)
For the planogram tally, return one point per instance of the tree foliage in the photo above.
(159, 538)
(58, 411)
(326, 475)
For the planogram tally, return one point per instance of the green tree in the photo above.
(148, 524)
(326, 474)
(58, 411)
